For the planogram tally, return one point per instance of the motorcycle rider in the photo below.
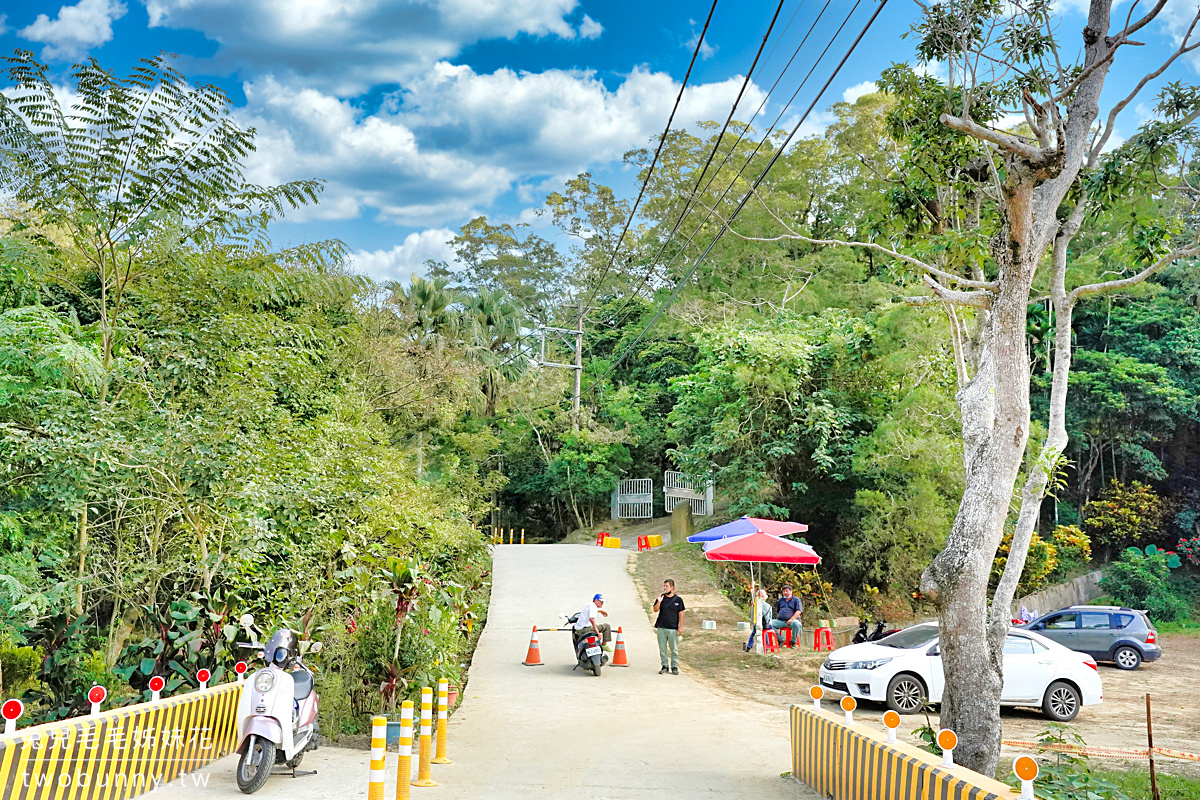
(590, 618)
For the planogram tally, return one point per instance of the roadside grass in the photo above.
(1136, 783)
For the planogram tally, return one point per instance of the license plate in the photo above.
(826, 681)
(592, 651)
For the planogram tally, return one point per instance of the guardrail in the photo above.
(120, 753)
(854, 762)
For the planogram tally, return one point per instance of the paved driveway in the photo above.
(549, 732)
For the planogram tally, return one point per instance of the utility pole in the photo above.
(578, 360)
(561, 337)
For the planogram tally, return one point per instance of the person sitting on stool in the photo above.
(787, 614)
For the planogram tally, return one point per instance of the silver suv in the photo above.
(1106, 633)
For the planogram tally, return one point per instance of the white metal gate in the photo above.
(679, 488)
(633, 499)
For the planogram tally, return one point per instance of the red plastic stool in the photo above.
(787, 636)
(600, 538)
(643, 543)
(823, 639)
(770, 641)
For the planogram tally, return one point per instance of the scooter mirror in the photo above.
(315, 647)
(247, 620)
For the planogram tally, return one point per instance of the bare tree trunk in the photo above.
(995, 431)
(1041, 471)
(81, 544)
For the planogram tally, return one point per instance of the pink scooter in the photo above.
(277, 711)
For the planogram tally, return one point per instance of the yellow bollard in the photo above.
(522, 536)
(404, 767)
(378, 745)
(423, 778)
(510, 535)
(443, 721)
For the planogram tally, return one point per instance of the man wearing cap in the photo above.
(590, 618)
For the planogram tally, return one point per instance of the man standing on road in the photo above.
(787, 614)
(670, 621)
(590, 618)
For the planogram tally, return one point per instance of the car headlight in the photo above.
(264, 681)
(879, 662)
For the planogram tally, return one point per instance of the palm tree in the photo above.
(491, 329)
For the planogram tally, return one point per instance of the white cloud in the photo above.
(454, 140)
(588, 29)
(707, 51)
(852, 94)
(369, 161)
(348, 46)
(405, 259)
(3, 26)
(76, 28)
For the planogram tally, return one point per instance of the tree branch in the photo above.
(1133, 280)
(1004, 141)
(916, 262)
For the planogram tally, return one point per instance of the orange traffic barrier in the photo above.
(619, 658)
(533, 658)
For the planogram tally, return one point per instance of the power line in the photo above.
(662, 140)
(733, 148)
(749, 193)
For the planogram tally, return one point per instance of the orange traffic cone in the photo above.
(533, 658)
(619, 659)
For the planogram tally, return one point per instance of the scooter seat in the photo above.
(303, 683)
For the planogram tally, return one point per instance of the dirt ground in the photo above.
(1120, 721)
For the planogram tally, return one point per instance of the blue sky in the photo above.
(423, 114)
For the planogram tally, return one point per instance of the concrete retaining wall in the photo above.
(1079, 591)
(119, 753)
(854, 762)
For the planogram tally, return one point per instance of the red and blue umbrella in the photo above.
(746, 526)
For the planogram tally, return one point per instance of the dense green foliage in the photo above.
(195, 424)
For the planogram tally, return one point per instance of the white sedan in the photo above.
(905, 669)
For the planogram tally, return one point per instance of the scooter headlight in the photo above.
(264, 681)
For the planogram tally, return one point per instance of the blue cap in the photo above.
(599, 597)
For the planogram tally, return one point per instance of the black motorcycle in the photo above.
(874, 636)
(588, 652)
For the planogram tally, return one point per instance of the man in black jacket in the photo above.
(670, 621)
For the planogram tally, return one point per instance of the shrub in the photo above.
(1139, 580)
(1189, 549)
(1072, 545)
(1125, 515)
(1040, 562)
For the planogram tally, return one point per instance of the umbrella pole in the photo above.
(758, 640)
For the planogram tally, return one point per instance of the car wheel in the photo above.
(1127, 657)
(1062, 702)
(905, 694)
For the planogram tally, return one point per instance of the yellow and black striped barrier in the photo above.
(119, 753)
(854, 762)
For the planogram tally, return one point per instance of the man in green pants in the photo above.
(670, 621)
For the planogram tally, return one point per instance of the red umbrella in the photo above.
(761, 547)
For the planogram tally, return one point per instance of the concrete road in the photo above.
(550, 732)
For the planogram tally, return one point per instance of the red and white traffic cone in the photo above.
(533, 658)
(619, 658)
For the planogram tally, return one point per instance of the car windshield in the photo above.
(916, 636)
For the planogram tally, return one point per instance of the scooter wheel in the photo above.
(254, 767)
